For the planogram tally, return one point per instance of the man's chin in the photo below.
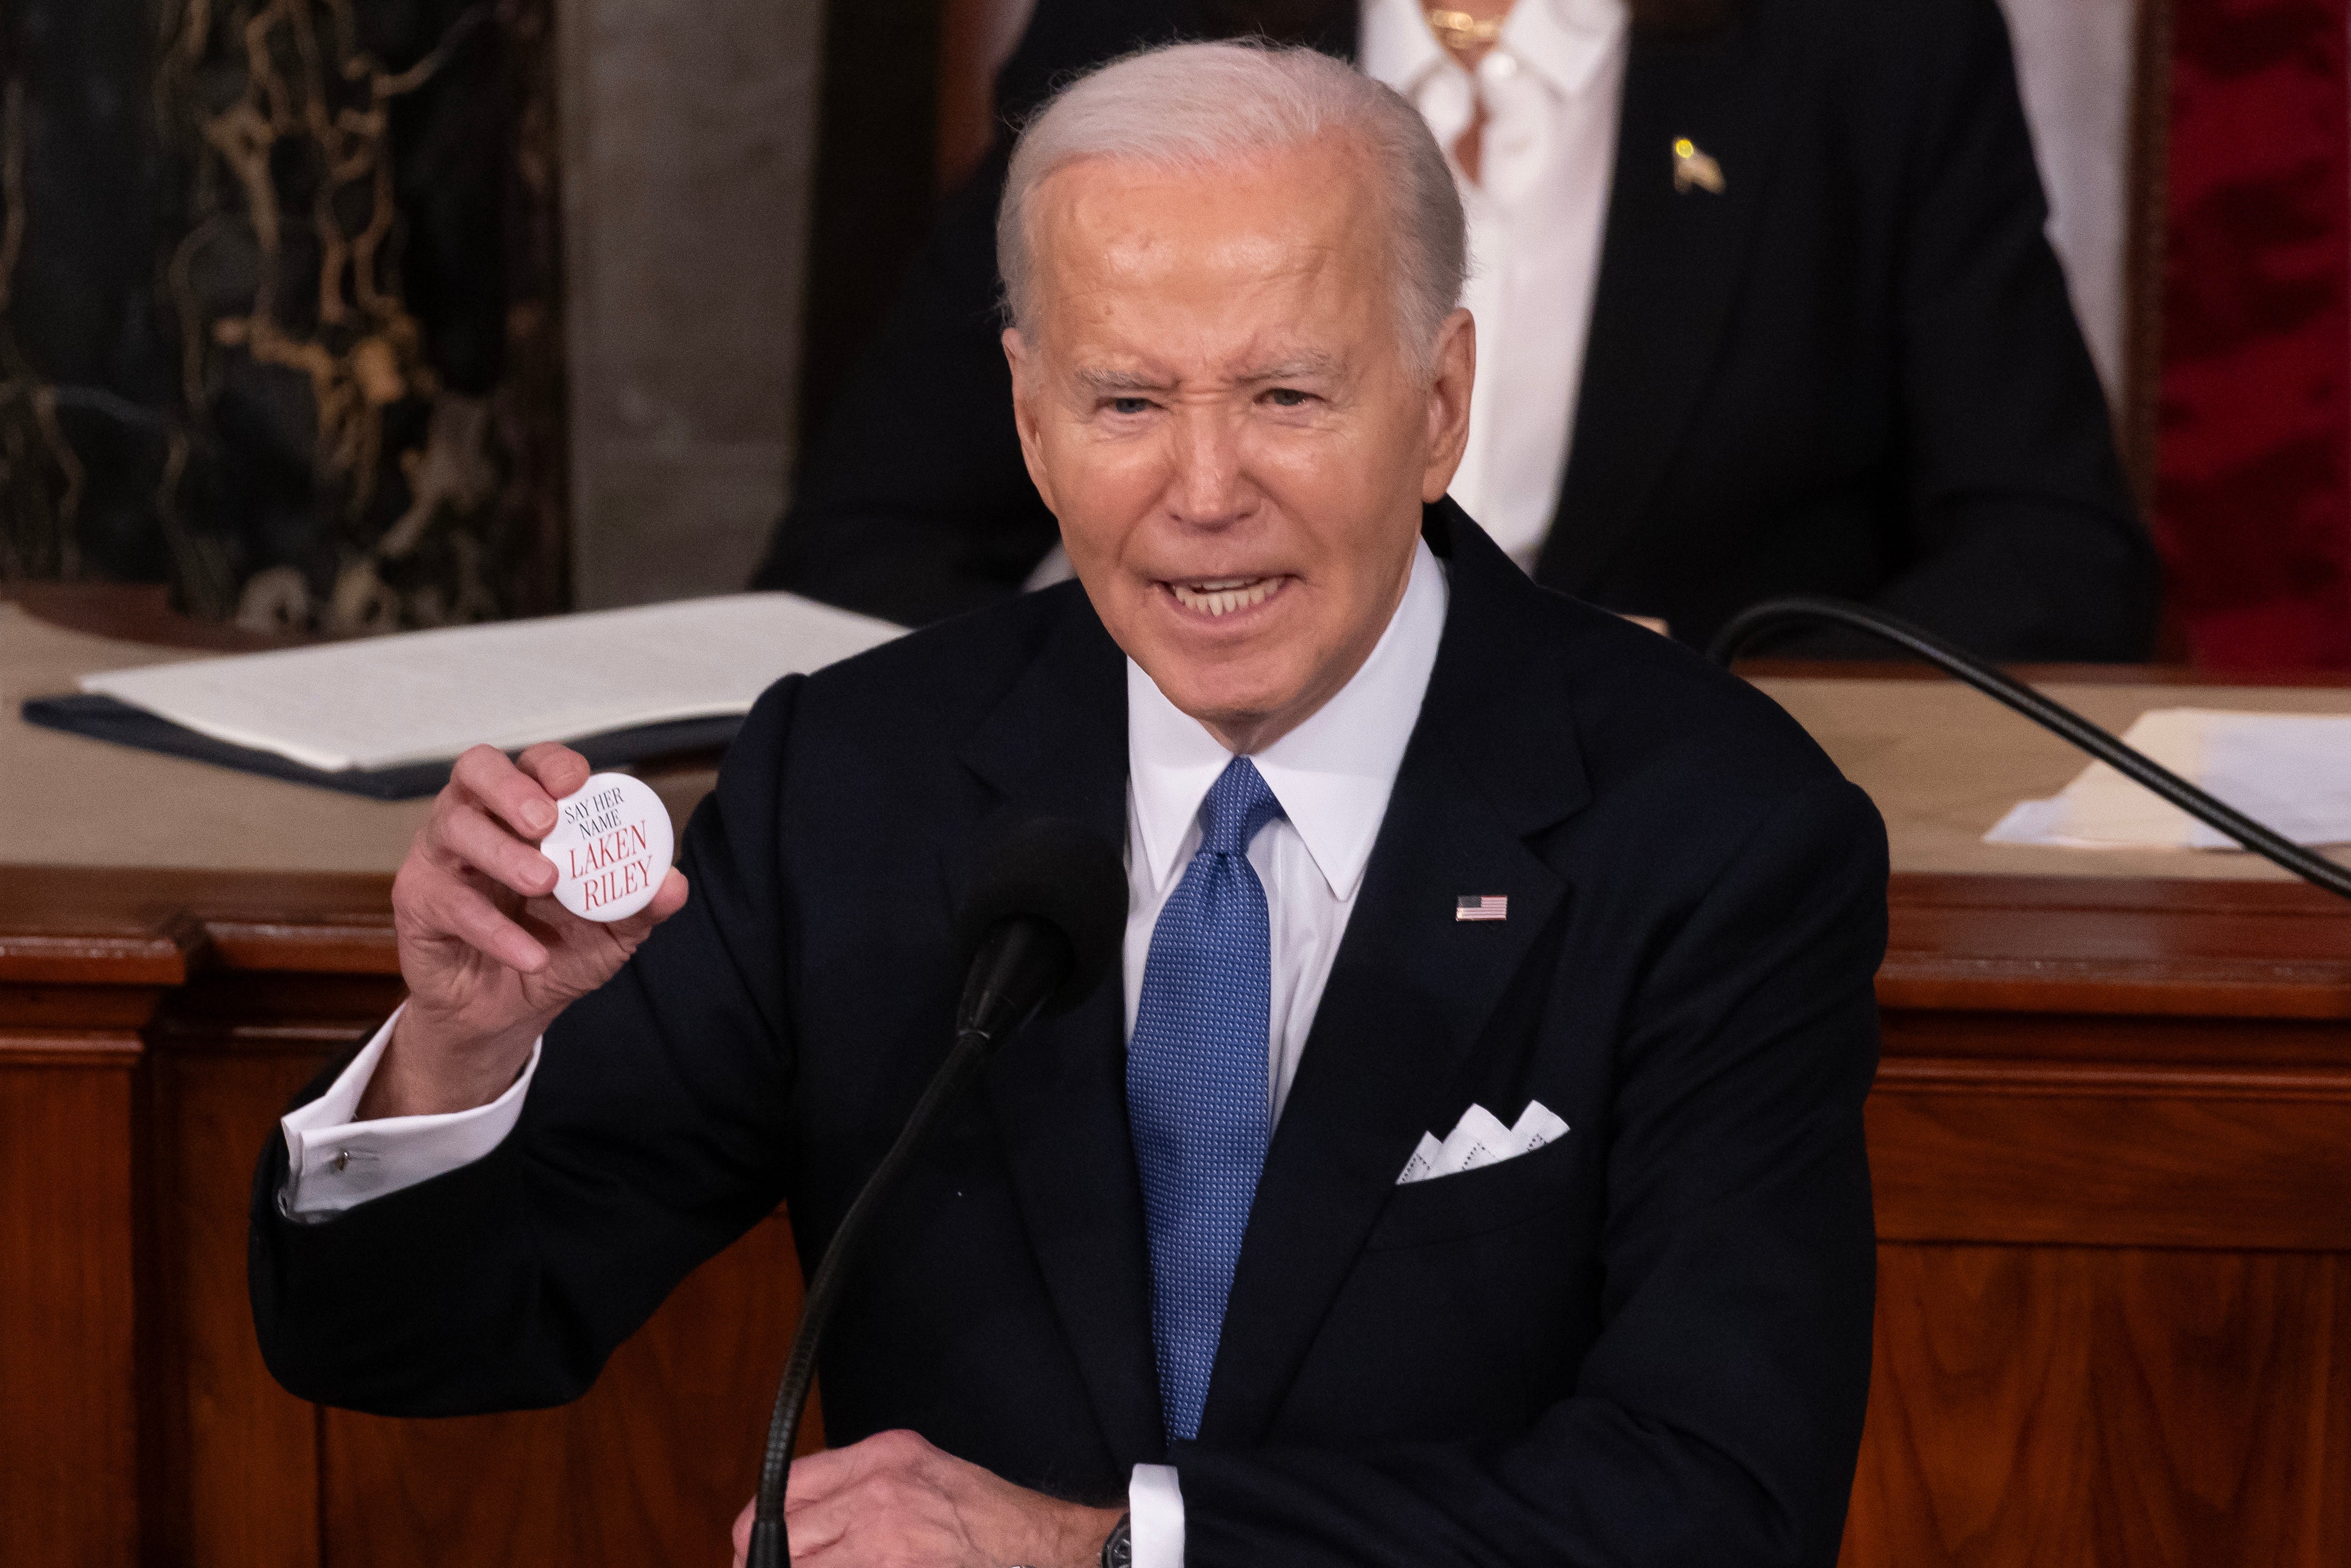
(1234, 704)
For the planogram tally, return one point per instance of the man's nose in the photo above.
(1208, 490)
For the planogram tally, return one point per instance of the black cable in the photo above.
(770, 1544)
(1772, 614)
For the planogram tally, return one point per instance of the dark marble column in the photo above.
(282, 327)
(84, 363)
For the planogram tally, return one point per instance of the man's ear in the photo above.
(1027, 410)
(1455, 372)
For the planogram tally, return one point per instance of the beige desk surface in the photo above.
(1942, 763)
(76, 802)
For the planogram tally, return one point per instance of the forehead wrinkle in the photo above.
(1085, 238)
(1133, 301)
(1105, 239)
(1114, 320)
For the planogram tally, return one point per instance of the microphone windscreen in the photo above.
(1060, 872)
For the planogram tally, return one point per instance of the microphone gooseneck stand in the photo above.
(1040, 930)
(1008, 981)
(1772, 614)
(770, 1547)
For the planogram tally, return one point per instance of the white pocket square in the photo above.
(1480, 1139)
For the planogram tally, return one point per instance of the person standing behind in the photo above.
(1765, 307)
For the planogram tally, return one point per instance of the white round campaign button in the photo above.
(611, 847)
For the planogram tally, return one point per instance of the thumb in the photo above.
(743, 1533)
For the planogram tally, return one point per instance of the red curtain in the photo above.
(2254, 446)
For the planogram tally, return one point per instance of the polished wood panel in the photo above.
(2138, 947)
(2100, 1155)
(240, 1472)
(140, 1424)
(71, 1419)
(2106, 1409)
(2112, 1168)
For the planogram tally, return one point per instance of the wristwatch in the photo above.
(1118, 1552)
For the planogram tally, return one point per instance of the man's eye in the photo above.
(1288, 397)
(1129, 405)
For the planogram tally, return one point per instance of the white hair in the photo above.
(1199, 106)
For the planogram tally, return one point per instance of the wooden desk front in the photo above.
(2109, 1142)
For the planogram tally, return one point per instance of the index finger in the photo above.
(512, 796)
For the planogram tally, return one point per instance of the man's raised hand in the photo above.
(490, 957)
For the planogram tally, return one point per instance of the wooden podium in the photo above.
(2111, 1139)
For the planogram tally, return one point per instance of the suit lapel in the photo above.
(1056, 746)
(1412, 986)
(1670, 267)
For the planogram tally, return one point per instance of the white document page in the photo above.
(2292, 771)
(419, 697)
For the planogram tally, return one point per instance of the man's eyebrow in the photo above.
(1119, 383)
(1103, 382)
(1299, 367)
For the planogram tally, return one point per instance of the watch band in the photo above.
(1118, 1552)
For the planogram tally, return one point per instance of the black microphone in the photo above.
(1041, 930)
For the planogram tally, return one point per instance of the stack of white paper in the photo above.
(2290, 772)
(426, 696)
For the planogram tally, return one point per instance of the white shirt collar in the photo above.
(1332, 774)
(1566, 42)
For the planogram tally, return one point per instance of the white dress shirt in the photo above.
(1333, 774)
(334, 1162)
(1552, 86)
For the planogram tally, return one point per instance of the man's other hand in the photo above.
(894, 1501)
(490, 957)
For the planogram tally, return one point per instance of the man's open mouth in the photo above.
(1223, 595)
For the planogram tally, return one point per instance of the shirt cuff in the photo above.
(1155, 1504)
(334, 1163)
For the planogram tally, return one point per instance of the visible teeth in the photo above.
(1222, 596)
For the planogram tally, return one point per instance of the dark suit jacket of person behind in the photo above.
(1856, 371)
(1646, 1343)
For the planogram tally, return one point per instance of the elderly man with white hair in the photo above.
(1468, 1167)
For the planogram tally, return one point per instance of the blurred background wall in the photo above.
(281, 319)
(689, 138)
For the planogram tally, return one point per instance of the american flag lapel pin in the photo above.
(1481, 906)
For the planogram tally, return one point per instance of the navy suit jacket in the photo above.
(1855, 371)
(1648, 1342)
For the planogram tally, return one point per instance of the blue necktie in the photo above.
(1195, 1085)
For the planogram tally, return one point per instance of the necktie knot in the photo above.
(1239, 803)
